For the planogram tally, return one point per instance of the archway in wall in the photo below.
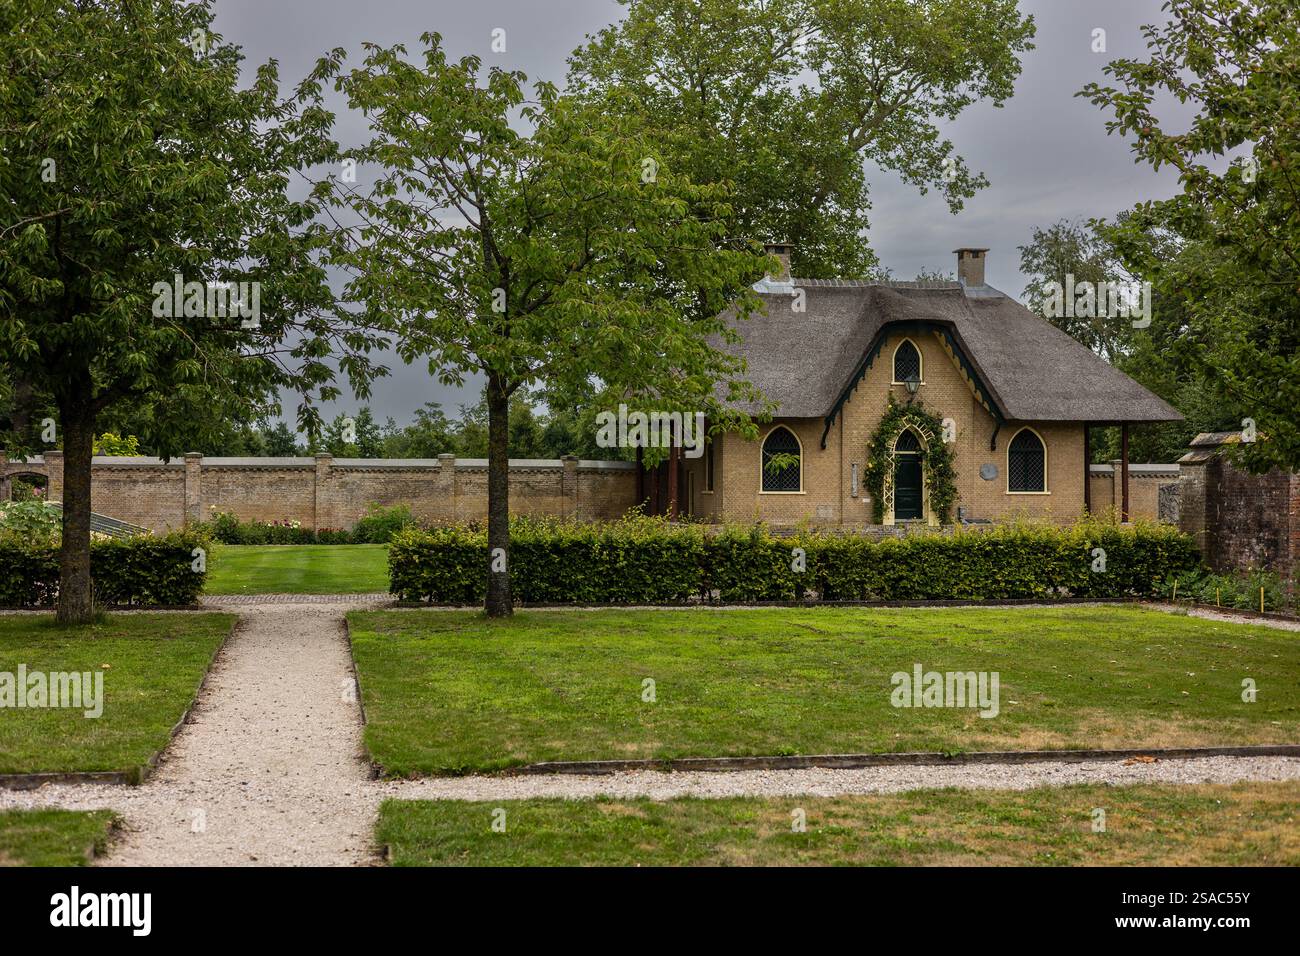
(25, 486)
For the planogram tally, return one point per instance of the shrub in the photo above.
(635, 560)
(21, 490)
(648, 560)
(29, 570)
(278, 532)
(1005, 562)
(226, 528)
(1235, 590)
(143, 570)
(33, 518)
(748, 564)
(380, 523)
(223, 526)
(445, 565)
(377, 527)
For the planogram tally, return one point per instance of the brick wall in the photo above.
(333, 493)
(1240, 520)
(1146, 486)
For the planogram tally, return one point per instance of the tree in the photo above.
(570, 429)
(117, 446)
(524, 433)
(553, 255)
(131, 157)
(1156, 355)
(280, 441)
(22, 409)
(430, 434)
(352, 436)
(786, 99)
(1237, 274)
(1066, 254)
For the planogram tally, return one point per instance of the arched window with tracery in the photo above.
(1026, 463)
(782, 461)
(907, 361)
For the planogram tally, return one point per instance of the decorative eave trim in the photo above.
(951, 343)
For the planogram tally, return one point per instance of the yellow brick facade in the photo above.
(827, 473)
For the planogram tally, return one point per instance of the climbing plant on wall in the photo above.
(936, 460)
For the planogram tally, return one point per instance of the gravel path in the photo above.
(270, 770)
(829, 783)
(367, 599)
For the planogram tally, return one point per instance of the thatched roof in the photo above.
(1030, 370)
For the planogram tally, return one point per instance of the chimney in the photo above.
(782, 250)
(970, 265)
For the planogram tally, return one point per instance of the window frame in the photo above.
(1047, 488)
(893, 362)
(763, 444)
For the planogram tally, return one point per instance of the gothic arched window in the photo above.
(781, 471)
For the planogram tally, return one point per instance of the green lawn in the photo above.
(451, 692)
(298, 569)
(53, 837)
(1241, 825)
(152, 665)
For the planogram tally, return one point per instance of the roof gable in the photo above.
(808, 361)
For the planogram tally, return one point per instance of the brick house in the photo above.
(1012, 392)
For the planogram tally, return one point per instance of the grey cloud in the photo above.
(1046, 152)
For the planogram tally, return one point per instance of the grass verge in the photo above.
(451, 692)
(151, 667)
(1240, 825)
(53, 837)
(297, 569)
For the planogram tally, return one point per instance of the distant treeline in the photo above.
(534, 433)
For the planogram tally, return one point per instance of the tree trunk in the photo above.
(498, 591)
(76, 600)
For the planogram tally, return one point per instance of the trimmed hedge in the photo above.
(637, 560)
(649, 561)
(144, 570)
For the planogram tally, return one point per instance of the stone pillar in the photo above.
(1087, 469)
(54, 475)
(1124, 499)
(1116, 467)
(569, 485)
(4, 476)
(1193, 516)
(320, 492)
(446, 487)
(193, 489)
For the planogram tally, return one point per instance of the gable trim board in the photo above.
(951, 344)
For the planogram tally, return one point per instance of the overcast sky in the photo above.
(1046, 153)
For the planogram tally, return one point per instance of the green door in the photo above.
(907, 487)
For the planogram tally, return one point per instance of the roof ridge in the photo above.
(929, 284)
